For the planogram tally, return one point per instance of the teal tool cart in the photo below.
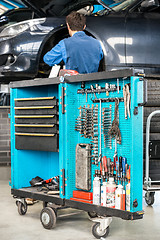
(84, 135)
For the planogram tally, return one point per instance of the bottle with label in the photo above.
(104, 194)
(120, 198)
(128, 189)
(110, 189)
(96, 191)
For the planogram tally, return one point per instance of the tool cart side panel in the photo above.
(137, 145)
(26, 164)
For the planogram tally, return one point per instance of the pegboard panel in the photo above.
(75, 102)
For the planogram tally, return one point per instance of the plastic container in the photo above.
(96, 191)
(110, 190)
(104, 194)
(128, 197)
(120, 198)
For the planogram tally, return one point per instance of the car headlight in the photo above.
(18, 28)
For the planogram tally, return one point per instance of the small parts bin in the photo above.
(87, 130)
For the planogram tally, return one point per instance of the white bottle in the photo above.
(128, 197)
(120, 197)
(111, 187)
(96, 191)
(104, 194)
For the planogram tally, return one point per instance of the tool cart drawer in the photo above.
(36, 135)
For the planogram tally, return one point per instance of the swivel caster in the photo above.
(22, 207)
(48, 218)
(101, 226)
(149, 198)
(98, 232)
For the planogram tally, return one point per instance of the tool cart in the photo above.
(87, 131)
(152, 153)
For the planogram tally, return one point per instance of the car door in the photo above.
(142, 40)
(110, 30)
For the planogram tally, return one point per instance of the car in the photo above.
(127, 30)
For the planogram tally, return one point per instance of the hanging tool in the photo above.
(112, 168)
(92, 88)
(124, 161)
(114, 132)
(120, 167)
(117, 169)
(127, 100)
(100, 137)
(109, 166)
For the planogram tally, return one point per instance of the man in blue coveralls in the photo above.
(79, 52)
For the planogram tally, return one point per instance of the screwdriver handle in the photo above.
(117, 167)
(120, 164)
(104, 160)
(108, 165)
(124, 161)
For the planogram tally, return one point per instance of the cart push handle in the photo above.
(147, 180)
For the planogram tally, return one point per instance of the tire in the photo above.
(92, 214)
(97, 233)
(149, 198)
(48, 218)
(22, 208)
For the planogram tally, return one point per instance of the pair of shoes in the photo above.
(30, 201)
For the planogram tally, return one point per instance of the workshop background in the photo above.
(76, 224)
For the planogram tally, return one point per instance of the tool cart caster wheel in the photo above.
(149, 198)
(48, 218)
(92, 214)
(98, 233)
(22, 207)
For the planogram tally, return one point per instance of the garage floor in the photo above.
(75, 227)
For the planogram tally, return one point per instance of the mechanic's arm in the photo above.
(56, 54)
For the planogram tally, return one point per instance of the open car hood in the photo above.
(46, 8)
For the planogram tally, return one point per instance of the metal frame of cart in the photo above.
(149, 185)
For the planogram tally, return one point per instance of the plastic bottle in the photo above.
(96, 191)
(104, 194)
(120, 198)
(110, 189)
(128, 189)
(128, 196)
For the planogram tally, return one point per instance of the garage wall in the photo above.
(5, 152)
(4, 136)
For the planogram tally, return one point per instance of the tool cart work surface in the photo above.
(80, 135)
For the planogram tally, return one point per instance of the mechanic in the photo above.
(79, 52)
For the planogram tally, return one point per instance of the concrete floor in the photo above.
(75, 227)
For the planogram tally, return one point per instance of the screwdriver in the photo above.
(108, 166)
(117, 169)
(124, 161)
(112, 168)
(104, 160)
(120, 167)
(115, 160)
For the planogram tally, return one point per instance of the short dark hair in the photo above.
(76, 21)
